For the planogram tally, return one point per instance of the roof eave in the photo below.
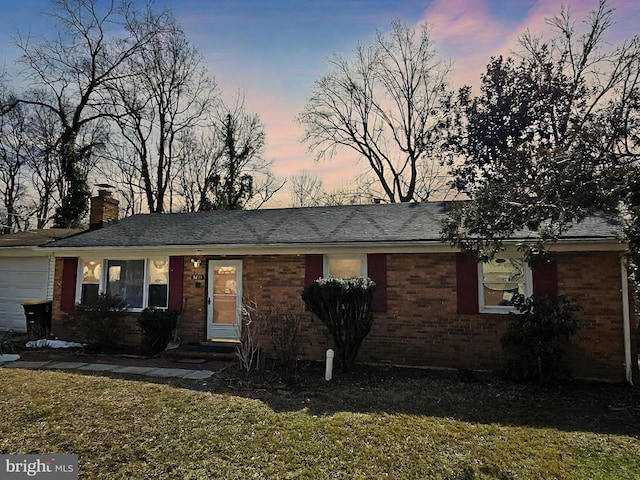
(23, 251)
(426, 246)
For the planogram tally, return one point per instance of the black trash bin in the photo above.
(38, 313)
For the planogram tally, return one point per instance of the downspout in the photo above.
(51, 273)
(626, 321)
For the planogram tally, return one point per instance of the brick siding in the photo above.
(57, 326)
(62, 325)
(594, 281)
(421, 326)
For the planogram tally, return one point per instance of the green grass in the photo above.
(137, 430)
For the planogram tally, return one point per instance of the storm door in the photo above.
(224, 300)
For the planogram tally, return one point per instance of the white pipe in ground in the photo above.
(328, 373)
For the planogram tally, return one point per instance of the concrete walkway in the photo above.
(104, 367)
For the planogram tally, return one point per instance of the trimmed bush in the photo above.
(344, 306)
(157, 328)
(539, 336)
(99, 322)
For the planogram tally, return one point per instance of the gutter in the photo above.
(626, 322)
(402, 246)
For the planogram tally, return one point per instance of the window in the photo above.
(125, 279)
(140, 283)
(345, 266)
(158, 283)
(91, 273)
(500, 280)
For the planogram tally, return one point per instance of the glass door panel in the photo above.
(224, 300)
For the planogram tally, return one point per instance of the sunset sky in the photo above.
(274, 49)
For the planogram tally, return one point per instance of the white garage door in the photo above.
(21, 279)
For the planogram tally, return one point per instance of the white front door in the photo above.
(224, 301)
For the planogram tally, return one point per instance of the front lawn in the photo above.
(396, 428)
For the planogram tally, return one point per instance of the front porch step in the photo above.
(221, 343)
(203, 350)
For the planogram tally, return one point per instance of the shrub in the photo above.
(9, 342)
(286, 339)
(249, 350)
(259, 324)
(99, 322)
(538, 336)
(344, 306)
(157, 328)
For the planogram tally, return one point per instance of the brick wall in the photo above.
(269, 281)
(192, 323)
(421, 326)
(278, 281)
(594, 281)
(57, 326)
(62, 325)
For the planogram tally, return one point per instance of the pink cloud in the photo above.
(288, 154)
(466, 32)
(625, 16)
(536, 18)
(462, 25)
(470, 33)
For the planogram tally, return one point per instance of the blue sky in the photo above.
(274, 49)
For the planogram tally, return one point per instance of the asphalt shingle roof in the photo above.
(407, 222)
(34, 238)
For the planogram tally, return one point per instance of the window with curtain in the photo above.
(140, 283)
(502, 278)
(345, 266)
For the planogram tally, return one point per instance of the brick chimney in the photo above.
(104, 208)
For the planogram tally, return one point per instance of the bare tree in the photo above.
(306, 190)
(362, 190)
(29, 174)
(43, 130)
(347, 196)
(168, 92)
(223, 168)
(199, 156)
(265, 186)
(390, 104)
(74, 68)
(14, 145)
(111, 64)
(120, 171)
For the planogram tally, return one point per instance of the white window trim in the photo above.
(506, 309)
(362, 257)
(102, 286)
